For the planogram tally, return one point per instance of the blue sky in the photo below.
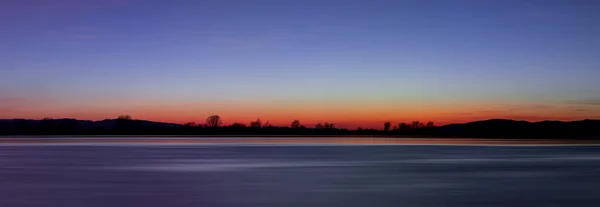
(314, 52)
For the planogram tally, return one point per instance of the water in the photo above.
(173, 175)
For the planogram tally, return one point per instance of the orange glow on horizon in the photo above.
(344, 115)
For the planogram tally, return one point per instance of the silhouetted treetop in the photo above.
(267, 124)
(319, 126)
(430, 124)
(214, 121)
(124, 117)
(403, 126)
(256, 124)
(386, 126)
(238, 125)
(417, 124)
(296, 124)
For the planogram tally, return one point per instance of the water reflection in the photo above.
(155, 174)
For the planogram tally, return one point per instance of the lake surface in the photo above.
(102, 173)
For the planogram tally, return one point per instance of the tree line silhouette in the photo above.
(216, 121)
(213, 125)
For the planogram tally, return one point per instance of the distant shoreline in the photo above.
(293, 140)
(175, 136)
(121, 127)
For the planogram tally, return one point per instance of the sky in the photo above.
(352, 63)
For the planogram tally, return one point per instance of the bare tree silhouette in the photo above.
(267, 124)
(416, 125)
(386, 126)
(214, 121)
(430, 124)
(319, 126)
(403, 126)
(124, 117)
(296, 124)
(256, 124)
(125, 124)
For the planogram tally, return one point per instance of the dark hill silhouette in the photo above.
(523, 129)
(124, 125)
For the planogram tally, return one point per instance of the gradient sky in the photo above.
(353, 63)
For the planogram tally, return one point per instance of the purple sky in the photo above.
(354, 62)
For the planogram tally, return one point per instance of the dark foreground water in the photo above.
(271, 175)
